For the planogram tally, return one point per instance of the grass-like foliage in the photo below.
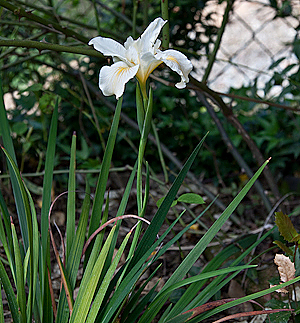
(110, 290)
(105, 293)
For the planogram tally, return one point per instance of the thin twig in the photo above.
(239, 315)
(125, 216)
(52, 293)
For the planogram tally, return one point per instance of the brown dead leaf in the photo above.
(285, 267)
(286, 270)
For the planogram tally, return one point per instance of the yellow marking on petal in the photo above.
(171, 58)
(143, 73)
(121, 70)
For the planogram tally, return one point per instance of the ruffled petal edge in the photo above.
(177, 62)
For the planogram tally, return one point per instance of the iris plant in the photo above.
(138, 58)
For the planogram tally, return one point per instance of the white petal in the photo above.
(129, 42)
(152, 31)
(156, 46)
(132, 56)
(112, 79)
(178, 62)
(108, 47)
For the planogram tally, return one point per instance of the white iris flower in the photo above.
(138, 58)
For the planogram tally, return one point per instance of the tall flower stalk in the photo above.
(138, 58)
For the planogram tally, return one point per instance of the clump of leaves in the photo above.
(288, 232)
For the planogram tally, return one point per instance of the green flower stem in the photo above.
(160, 154)
(144, 94)
(139, 188)
(135, 7)
(165, 30)
(142, 201)
(139, 195)
(48, 46)
(142, 147)
(145, 4)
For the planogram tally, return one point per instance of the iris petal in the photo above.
(177, 62)
(151, 33)
(108, 47)
(112, 79)
(148, 63)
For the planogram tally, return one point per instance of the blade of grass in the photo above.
(166, 246)
(8, 145)
(76, 251)
(25, 203)
(136, 312)
(192, 291)
(130, 278)
(121, 211)
(102, 180)
(133, 301)
(190, 280)
(190, 259)
(243, 300)
(47, 182)
(46, 202)
(164, 315)
(10, 296)
(65, 281)
(70, 230)
(20, 285)
(34, 257)
(7, 244)
(1, 306)
(105, 283)
(89, 284)
(75, 255)
(122, 207)
(103, 221)
(25, 264)
(221, 281)
(185, 266)
(151, 232)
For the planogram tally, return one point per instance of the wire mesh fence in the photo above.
(255, 37)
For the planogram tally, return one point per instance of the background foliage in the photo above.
(38, 76)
